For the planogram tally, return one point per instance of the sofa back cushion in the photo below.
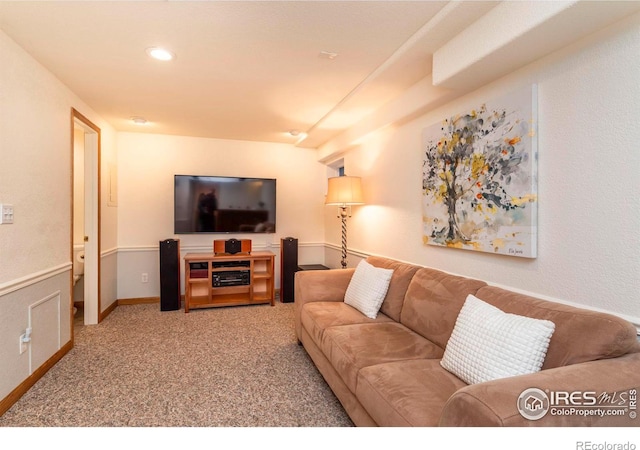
(433, 301)
(402, 275)
(580, 335)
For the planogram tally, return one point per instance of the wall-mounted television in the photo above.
(212, 204)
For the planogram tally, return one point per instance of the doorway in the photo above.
(85, 220)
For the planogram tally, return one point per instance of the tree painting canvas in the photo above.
(479, 185)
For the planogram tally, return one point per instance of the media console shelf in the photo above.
(228, 280)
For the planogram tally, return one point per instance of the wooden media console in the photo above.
(228, 280)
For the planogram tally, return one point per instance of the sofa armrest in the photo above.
(319, 286)
(596, 393)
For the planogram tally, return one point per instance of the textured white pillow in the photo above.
(487, 343)
(367, 288)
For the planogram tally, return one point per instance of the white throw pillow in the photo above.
(487, 343)
(367, 288)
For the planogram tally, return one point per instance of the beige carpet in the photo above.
(220, 367)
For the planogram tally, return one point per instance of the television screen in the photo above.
(208, 204)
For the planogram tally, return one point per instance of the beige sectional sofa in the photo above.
(386, 371)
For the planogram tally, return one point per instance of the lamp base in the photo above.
(343, 217)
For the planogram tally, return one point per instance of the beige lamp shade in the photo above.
(344, 191)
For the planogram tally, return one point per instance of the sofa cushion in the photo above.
(487, 344)
(368, 288)
(580, 335)
(402, 275)
(406, 393)
(352, 347)
(318, 316)
(433, 301)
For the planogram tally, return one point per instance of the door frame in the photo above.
(92, 226)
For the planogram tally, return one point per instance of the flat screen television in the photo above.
(212, 204)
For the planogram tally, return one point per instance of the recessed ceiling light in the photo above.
(160, 54)
(139, 120)
(299, 135)
(327, 55)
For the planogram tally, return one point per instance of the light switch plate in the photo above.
(6, 213)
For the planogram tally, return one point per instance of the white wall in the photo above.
(147, 164)
(589, 187)
(35, 177)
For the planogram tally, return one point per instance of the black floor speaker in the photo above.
(288, 268)
(169, 275)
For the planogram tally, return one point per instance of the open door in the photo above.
(90, 238)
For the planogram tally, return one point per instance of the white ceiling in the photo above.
(247, 70)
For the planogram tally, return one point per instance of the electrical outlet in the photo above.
(25, 339)
(145, 277)
(23, 343)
